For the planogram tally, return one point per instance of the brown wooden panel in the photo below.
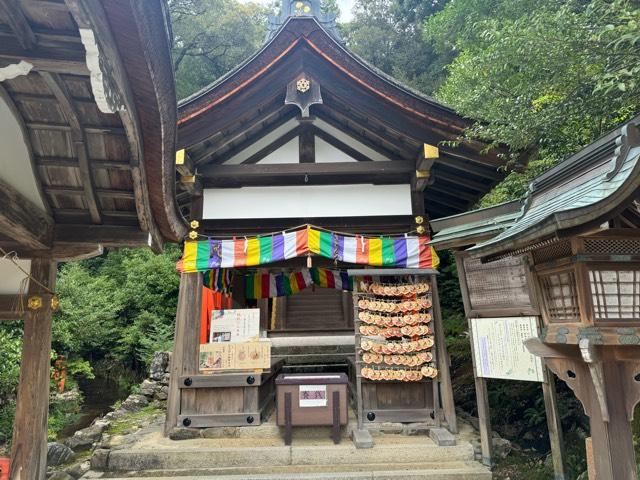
(498, 285)
(321, 309)
(392, 396)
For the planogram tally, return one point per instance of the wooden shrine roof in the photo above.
(96, 104)
(357, 99)
(597, 185)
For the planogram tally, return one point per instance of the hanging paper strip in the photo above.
(400, 252)
(219, 280)
(272, 285)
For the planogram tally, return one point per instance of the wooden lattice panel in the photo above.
(560, 297)
(552, 252)
(615, 294)
(606, 246)
(497, 285)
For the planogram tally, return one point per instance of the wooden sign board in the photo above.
(499, 348)
(219, 357)
(234, 325)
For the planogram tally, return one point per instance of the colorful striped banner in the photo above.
(272, 285)
(219, 280)
(400, 252)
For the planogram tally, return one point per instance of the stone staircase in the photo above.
(393, 457)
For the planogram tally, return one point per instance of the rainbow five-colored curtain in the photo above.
(272, 285)
(400, 252)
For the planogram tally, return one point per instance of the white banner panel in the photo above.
(499, 350)
(311, 201)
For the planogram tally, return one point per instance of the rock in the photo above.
(134, 403)
(180, 433)
(79, 469)
(84, 439)
(148, 388)
(114, 441)
(165, 379)
(221, 432)
(412, 429)
(159, 365)
(58, 454)
(115, 415)
(162, 393)
(100, 459)
(501, 447)
(61, 476)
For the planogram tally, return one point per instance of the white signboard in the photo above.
(313, 396)
(234, 325)
(499, 350)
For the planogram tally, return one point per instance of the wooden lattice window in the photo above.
(616, 294)
(560, 296)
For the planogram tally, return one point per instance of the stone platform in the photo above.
(258, 453)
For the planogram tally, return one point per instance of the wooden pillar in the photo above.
(554, 425)
(444, 376)
(186, 342)
(608, 391)
(29, 447)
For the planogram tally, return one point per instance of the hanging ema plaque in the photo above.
(498, 347)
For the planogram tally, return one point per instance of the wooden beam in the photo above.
(459, 163)
(56, 57)
(73, 163)
(462, 180)
(105, 235)
(359, 133)
(219, 156)
(307, 144)
(219, 175)
(450, 204)
(100, 129)
(79, 143)
(240, 133)
(29, 445)
(13, 14)
(22, 220)
(273, 146)
(340, 145)
(454, 192)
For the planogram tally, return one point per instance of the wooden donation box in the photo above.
(312, 400)
(235, 384)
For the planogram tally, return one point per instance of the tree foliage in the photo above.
(211, 37)
(387, 33)
(543, 77)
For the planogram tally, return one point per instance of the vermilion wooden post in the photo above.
(29, 447)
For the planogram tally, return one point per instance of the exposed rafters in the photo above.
(59, 90)
(230, 149)
(55, 57)
(12, 12)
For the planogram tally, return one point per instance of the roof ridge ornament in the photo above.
(302, 8)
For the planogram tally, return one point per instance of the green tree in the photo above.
(211, 37)
(544, 77)
(387, 33)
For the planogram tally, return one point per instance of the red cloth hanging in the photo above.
(205, 313)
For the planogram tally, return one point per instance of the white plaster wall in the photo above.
(372, 154)
(15, 165)
(309, 201)
(263, 142)
(326, 153)
(10, 276)
(288, 153)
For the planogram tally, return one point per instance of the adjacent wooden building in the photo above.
(575, 243)
(87, 127)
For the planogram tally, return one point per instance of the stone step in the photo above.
(398, 471)
(238, 453)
